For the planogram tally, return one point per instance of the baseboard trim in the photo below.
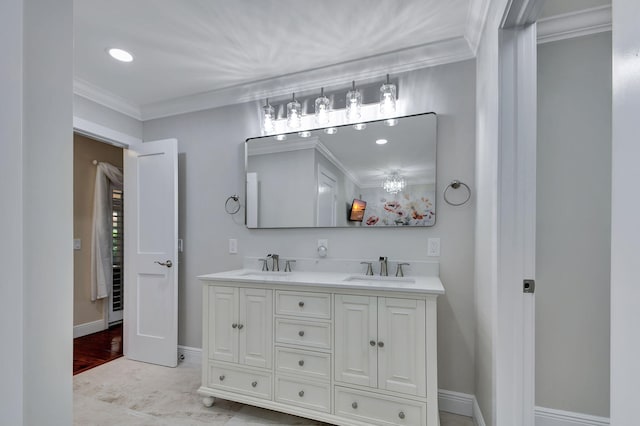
(189, 355)
(553, 417)
(478, 420)
(88, 328)
(455, 402)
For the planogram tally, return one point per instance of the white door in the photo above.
(223, 323)
(327, 198)
(402, 345)
(356, 340)
(151, 267)
(256, 319)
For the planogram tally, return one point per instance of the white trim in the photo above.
(88, 328)
(455, 402)
(102, 133)
(476, 20)
(553, 417)
(189, 355)
(100, 96)
(574, 24)
(338, 75)
(478, 419)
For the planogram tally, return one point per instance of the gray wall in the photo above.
(99, 114)
(573, 224)
(212, 168)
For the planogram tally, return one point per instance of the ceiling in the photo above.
(198, 54)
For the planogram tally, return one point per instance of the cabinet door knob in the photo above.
(240, 326)
(254, 384)
(354, 405)
(301, 394)
(301, 304)
(301, 362)
(301, 333)
(221, 377)
(234, 325)
(372, 342)
(381, 344)
(401, 414)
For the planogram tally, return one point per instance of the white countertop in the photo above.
(410, 284)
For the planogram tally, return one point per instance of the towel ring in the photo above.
(455, 185)
(234, 207)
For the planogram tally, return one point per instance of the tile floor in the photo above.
(124, 392)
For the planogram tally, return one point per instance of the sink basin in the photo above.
(370, 278)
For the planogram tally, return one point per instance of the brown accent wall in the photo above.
(86, 150)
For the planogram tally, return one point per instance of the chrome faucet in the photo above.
(383, 266)
(275, 259)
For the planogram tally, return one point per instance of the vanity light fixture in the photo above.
(323, 106)
(268, 117)
(388, 98)
(280, 137)
(381, 141)
(331, 130)
(294, 113)
(394, 183)
(360, 126)
(304, 134)
(353, 103)
(391, 122)
(120, 54)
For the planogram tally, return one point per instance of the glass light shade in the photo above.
(331, 130)
(280, 137)
(294, 113)
(394, 183)
(391, 122)
(323, 106)
(304, 134)
(268, 117)
(353, 104)
(388, 98)
(360, 126)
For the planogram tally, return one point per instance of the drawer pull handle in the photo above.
(354, 405)
(240, 326)
(372, 342)
(301, 394)
(234, 325)
(381, 344)
(301, 333)
(301, 362)
(301, 304)
(254, 384)
(401, 414)
(221, 377)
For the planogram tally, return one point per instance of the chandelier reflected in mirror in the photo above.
(394, 183)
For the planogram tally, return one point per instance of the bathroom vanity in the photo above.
(342, 348)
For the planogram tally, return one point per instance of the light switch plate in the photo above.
(233, 245)
(77, 244)
(433, 247)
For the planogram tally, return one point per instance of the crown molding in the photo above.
(574, 24)
(476, 20)
(339, 75)
(100, 96)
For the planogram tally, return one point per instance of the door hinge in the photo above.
(529, 286)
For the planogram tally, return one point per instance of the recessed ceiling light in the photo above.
(381, 141)
(120, 55)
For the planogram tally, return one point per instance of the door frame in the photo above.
(109, 136)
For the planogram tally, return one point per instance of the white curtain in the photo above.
(102, 238)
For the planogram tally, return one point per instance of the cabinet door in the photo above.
(256, 327)
(223, 315)
(401, 358)
(355, 331)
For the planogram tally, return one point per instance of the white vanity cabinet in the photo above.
(351, 355)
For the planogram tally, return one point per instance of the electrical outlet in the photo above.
(233, 246)
(433, 247)
(77, 244)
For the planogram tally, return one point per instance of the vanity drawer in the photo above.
(378, 409)
(298, 362)
(236, 379)
(303, 304)
(303, 333)
(306, 394)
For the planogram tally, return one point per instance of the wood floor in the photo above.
(96, 349)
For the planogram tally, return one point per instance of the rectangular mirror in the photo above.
(373, 174)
